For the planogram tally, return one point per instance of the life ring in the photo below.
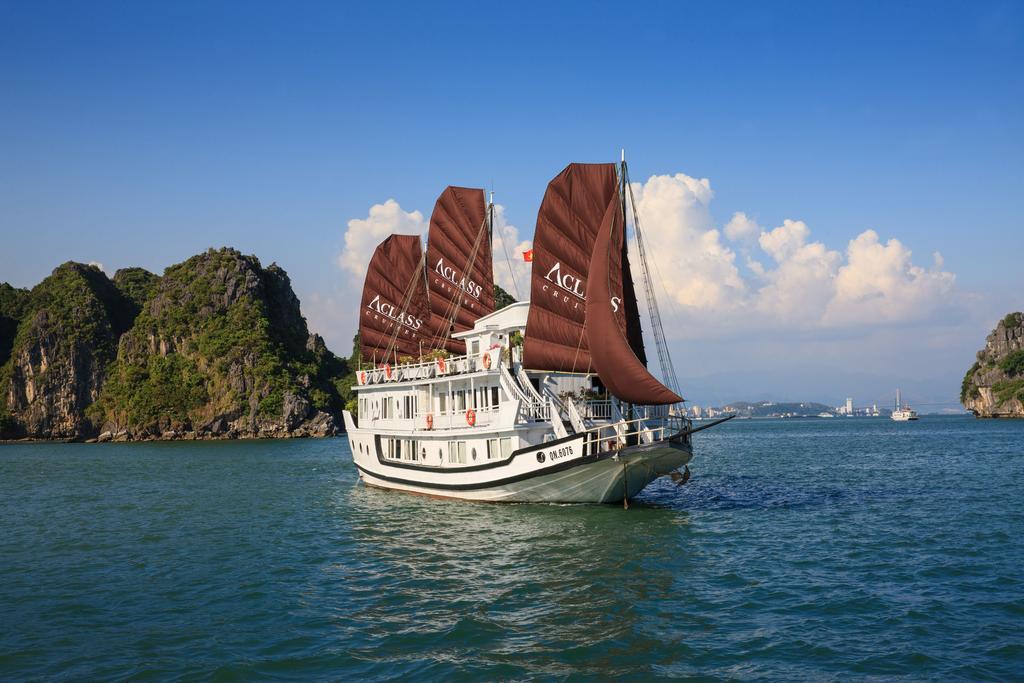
(440, 364)
(471, 417)
(430, 421)
(362, 377)
(487, 361)
(387, 371)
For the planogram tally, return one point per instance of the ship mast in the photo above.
(668, 371)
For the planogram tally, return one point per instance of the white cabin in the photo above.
(467, 410)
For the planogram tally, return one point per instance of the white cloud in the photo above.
(792, 282)
(801, 284)
(364, 234)
(683, 243)
(506, 236)
(99, 265)
(880, 284)
(741, 227)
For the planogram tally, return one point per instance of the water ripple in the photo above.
(799, 549)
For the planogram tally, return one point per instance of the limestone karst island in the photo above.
(216, 347)
(994, 386)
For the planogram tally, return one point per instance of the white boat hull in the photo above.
(573, 478)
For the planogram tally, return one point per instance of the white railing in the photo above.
(533, 409)
(618, 435)
(594, 410)
(457, 419)
(575, 419)
(437, 367)
(524, 381)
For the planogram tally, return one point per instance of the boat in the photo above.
(548, 400)
(901, 412)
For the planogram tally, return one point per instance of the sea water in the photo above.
(811, 549)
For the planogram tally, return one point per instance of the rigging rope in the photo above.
(406, 300)
(664, 357)
(508, 261)
(455, 304)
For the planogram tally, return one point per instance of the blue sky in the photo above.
(140, 134)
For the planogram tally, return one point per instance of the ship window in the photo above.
(474, 453)
(460, 401)
(443, 403)
(474, 347)
(494, 397)
(457, 452)
(492, 449)
(506, 448)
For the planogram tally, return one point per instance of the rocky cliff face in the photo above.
(220, 349)
(215, 348)
(65, 340)
(994, 386)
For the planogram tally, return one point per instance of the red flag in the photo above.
(528, 255)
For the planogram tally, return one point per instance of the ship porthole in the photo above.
(540, 456)
(474, 454)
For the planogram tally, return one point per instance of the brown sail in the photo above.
(567, 225)
(611, 354)
(394, 319)
(460, 291)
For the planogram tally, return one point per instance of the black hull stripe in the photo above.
(560, 467)
(471, 468)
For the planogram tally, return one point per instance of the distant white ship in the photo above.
(901, 412)
(825, 415)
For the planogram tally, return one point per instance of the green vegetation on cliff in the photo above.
(13, 302)
(221, 346)
(502, 298)
(217, 346)
(994, 385)
(1009, 390)
(968, 390)
(138, 285)
(1013, 364)
(66, 337)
